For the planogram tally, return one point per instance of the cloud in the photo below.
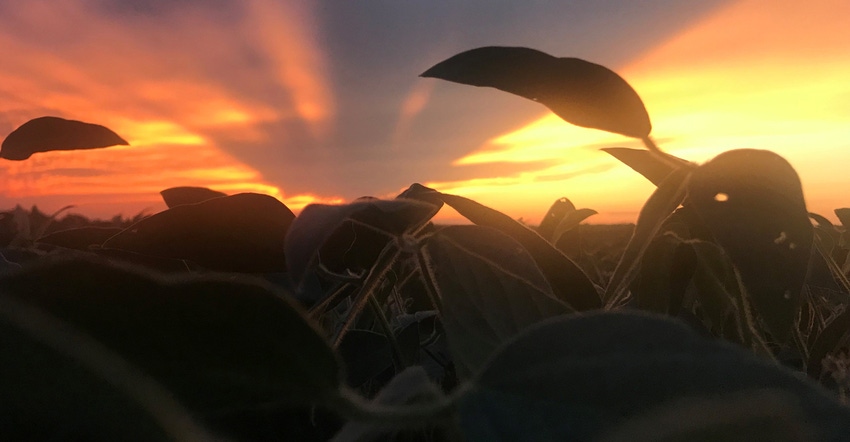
(303, 100)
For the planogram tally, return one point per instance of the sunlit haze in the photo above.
(321, 102)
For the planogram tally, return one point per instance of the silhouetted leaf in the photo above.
(365, 354)
(834, 337)
(645, 162)
(490, 289)
(665, 272)
(178, 196)
(580, 92)
(559, 209)
(217, 343)
(51, 133)
(571, 221)
(569, 283)
(663, 201)
(238, 233)
(58, 384)
(754, 415)
(349, 237)
(575, 377)
(752, 203)
(843, 215)
(80, 238)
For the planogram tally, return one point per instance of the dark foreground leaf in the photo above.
(178, 196)
(238, 233)
(216, 343)
(569, 283)
(58, 384)
(80, 238)
(582, 93)
(575, 377)
(752, 202)
(408, 388)
(755, 415)
(490, 289)
(52, 133)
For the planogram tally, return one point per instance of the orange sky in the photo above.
(755, 74)
(750, 74)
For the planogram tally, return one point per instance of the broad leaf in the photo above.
(580, 92)
(665, 272)
(490, 289)
(408, 388)
(59, 384)
(830, 341)
(80, 238)
(752, 203)
(238, 233)
(578, 376)
(51, 133)
(753, 415)
(559, 209)
(663, 201)
(569, 283)
(216, 343)
(178, 196)
(365, 354)
(348, 238)
(570, 222)
(646, 163)
(843, 215)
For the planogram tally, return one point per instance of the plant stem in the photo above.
(384, 323)
(382, 266)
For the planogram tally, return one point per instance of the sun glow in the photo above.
(755, 74)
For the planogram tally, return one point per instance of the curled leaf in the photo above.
(178, 196)
(582, 93)
(52, 133)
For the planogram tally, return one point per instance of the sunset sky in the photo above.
(321, 101)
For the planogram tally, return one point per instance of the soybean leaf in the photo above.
(80, 238)
(575, 377)
(559, 209)
(410, 387)
(646, 163)
(52, 133)
(664, 274)
(217, 343)
(59, 384)
(663, 201)
(582, 93)
(365, 354)
(843, 215)
(490, 289)
(752, 202)
(569, 283)
(754, 415)
(834, 337)
(571, 221)
(238, 233)
(178, 196)
(349, 237)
